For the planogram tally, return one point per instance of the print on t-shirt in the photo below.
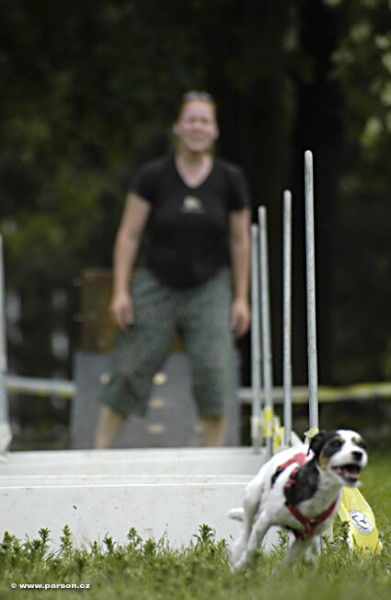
(192, 204)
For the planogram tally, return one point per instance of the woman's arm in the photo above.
(240, 260)
(126, 245)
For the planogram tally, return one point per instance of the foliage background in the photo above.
(89, 90)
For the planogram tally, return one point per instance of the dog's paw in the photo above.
(238, 565)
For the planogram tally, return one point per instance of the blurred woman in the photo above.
(194, 208)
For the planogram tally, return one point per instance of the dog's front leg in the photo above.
(303, 549)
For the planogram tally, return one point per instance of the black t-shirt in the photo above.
(187, 230)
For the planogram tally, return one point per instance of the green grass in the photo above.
(148, 570)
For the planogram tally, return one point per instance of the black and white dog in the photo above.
(298, 490)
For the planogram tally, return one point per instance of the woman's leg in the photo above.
(138, 354)
(109, 425)
(213, 431)
(208, 341)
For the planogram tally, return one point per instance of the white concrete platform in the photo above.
(168, 492)
(166, 461)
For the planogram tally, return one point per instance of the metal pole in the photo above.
(287, 315)
(265, 329)
(311, 296)
(5, 429)
(255, 342)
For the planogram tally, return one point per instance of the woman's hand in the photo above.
(121, 309)
(240, 317)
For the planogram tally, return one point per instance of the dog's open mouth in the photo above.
(349, 473)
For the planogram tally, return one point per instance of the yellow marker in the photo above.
(310, 434)
(257, 429)
(363, 533)
(268, 421)
(278, 435)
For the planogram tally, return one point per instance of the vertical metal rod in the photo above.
(255, 342)
(311, 301)
(311, 295)
(5, 429)
(287, 314)
(265, 329)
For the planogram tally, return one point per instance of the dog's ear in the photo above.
(317, 442)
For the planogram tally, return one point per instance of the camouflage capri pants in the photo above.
(201, 316)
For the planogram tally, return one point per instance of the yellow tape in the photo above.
(268, 421)
(311, 433)
(257, 428)
(357, 391)
(326, 394)
(278, 435)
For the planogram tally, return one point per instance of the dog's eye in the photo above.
(359, 442)
(336, 444)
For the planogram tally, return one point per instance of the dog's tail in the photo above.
(237, 514)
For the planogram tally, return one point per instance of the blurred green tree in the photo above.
(89, 90)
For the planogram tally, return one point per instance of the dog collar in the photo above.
(309, 524)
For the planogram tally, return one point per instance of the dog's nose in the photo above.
(357, 455)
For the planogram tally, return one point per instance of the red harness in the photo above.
(309, 524)
(298, 458)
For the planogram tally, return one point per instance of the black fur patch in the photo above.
(320, 440)
(305, 481)
(303, 484)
